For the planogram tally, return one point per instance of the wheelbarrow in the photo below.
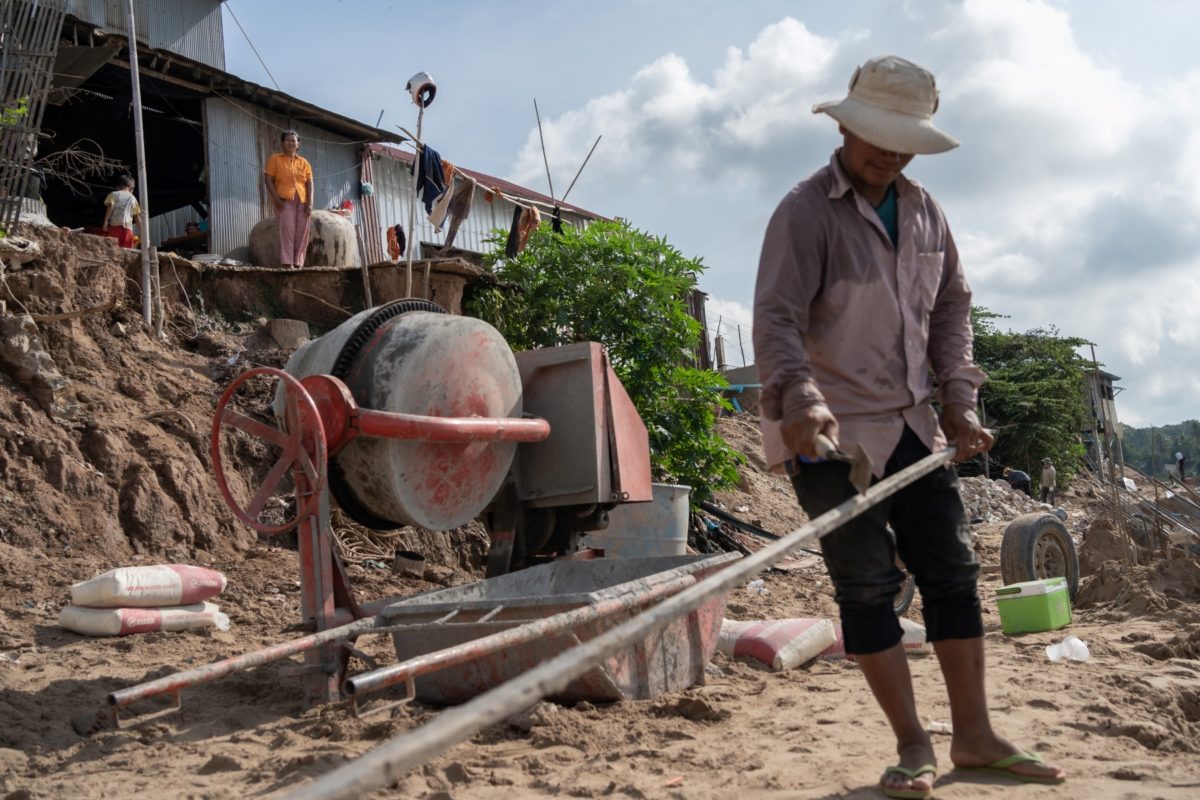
(667, 661)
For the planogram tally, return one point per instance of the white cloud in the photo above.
(1072, 198)
(669, 123)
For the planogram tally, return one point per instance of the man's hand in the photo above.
(800, 431)
(962, 427)
(308, 209)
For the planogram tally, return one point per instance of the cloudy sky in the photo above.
(1074, 197)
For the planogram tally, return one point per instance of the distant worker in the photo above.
(289, 180)
(122, 212)
(1181, 463)
(860, 303)
(1049, 481)
(1018, 480)
(191, 229)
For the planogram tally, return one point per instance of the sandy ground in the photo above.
(112, 487)
(1125, 724)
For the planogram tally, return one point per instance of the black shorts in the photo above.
(932, 538)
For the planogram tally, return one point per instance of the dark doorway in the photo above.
(99, 117)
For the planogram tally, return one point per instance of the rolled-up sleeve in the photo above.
(951, 342)
(789, 277)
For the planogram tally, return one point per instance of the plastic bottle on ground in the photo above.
(757, 586)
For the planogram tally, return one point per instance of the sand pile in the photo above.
(1164, 585)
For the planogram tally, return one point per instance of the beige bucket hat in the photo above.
(890, 105)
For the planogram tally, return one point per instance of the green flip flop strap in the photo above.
(1016, 758)
(915, 772)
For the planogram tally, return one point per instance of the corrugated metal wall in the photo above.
(164, 226)
(394, 195)
(191, 28)
(240, 137)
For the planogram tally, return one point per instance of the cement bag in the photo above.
(161, 585)
(780, 644)
(913, 641)
(124, 621)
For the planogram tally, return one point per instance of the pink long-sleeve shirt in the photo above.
(843, 317)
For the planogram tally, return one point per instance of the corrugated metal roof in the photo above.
(207, 79)
(508, 187)
(191, 28)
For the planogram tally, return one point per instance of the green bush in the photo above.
(626, 289)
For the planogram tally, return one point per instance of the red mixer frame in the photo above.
(320, 418)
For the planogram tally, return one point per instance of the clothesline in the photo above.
(523, 202)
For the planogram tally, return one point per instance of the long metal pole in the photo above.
(217, 669)
(140, 144)
(390, 760)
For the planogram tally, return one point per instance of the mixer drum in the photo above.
(418, 362)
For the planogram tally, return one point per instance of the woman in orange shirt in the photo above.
(289, 180)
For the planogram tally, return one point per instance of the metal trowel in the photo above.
(862, 469)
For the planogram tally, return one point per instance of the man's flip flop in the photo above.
(912, 775)
(1005, 767)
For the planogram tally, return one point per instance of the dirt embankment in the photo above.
(110, 466)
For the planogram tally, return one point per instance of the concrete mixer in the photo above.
(407, 415)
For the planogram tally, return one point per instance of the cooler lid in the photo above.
(1029, 588)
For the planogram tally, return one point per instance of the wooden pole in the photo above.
(581, 166)
(545, 159)
(1114, 490)
(1157, 520)
(140, 145)
(366, 274)
(412, 209)
(156, 272)
(740, 345)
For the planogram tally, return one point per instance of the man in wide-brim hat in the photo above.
(860, 296)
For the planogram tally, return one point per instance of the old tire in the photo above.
(903, 599)
(1038, 546)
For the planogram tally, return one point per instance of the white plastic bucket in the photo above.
(637, 530)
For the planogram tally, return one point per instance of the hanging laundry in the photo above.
(530, 219)
(514, 233)
(460, 207)
(430, 183)
(556, 223)
(396, 242)
(440, 206)
(448, 170)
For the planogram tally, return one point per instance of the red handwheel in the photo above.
(302, 444)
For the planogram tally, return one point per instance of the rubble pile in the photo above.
(995, 501)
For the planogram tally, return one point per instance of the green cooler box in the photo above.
(1033, 606)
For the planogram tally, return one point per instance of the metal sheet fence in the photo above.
(28, 44)
(240, 137)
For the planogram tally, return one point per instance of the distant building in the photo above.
(1105, 431)
(208, 134)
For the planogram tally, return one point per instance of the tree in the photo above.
(626, 289)
(1152, 450)
(1035, 394)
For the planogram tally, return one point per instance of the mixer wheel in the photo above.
(302, 445)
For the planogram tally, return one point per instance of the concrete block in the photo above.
(288, 333)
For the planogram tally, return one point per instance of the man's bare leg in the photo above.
(890, 681)
(975, 744)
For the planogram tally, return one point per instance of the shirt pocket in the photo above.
(928, 278)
